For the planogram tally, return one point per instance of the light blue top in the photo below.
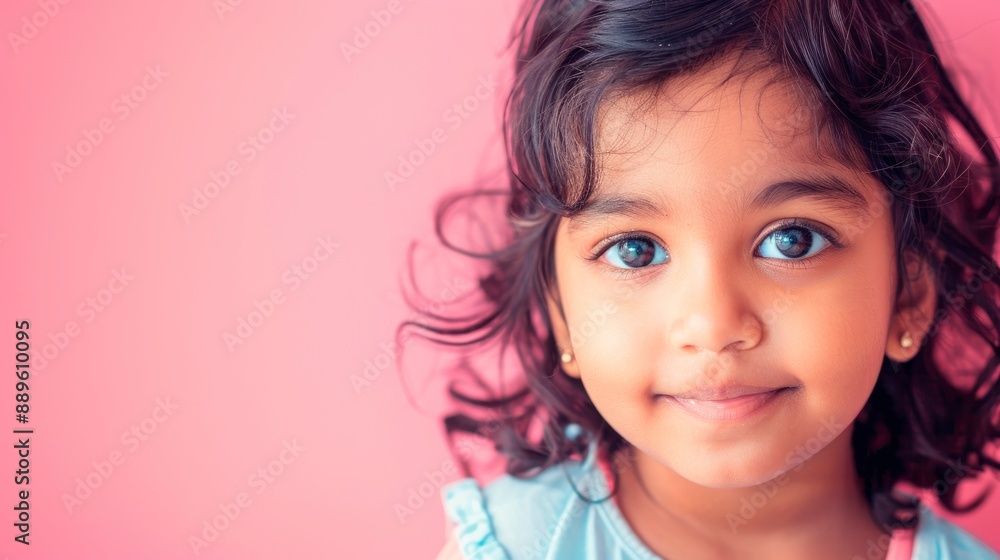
(543, 518)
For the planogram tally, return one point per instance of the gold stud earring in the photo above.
(566, 357)
(906, 340)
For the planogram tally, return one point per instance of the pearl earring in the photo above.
(906, 340)
(566, 357)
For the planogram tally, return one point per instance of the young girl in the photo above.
(750, 285)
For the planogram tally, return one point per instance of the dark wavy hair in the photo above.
(891, 110)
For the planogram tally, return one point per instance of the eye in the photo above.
(794, 241)
(635, 252)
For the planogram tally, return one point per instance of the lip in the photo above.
(726, 403)
(724, 392)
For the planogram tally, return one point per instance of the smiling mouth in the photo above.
(726, 403)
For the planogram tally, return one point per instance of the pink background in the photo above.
(141, 409)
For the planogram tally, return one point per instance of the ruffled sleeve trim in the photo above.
(465, 506)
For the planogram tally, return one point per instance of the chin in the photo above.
(716, 472)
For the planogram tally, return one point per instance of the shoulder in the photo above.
(510, 517)
(940, 539)
(549, 492)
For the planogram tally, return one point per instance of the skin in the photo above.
(722, 308)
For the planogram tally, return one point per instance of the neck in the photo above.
(818, 505)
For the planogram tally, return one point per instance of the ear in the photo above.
(561, 333)
(914, 310)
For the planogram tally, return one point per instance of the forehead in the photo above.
(723, 142)
(723, 111)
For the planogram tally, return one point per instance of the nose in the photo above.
(712, 311)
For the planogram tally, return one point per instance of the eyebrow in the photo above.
(830, 190)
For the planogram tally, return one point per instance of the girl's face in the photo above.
(716, 337)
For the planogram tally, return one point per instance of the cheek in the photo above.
(616, 355)
(839, 338)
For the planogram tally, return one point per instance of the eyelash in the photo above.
(626, 273)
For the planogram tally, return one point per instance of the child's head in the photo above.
(710, 199)
(684, 278)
